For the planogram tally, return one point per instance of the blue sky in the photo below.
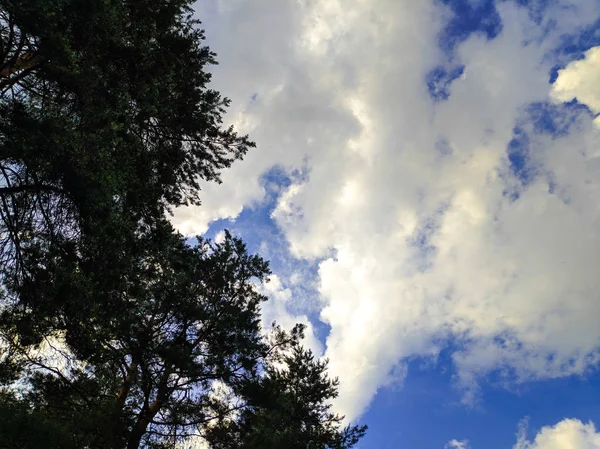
(426, 185)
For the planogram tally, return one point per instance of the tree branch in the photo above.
(33, 188)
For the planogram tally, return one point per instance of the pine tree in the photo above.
(114, 332)
(106, 122)
(289, 406)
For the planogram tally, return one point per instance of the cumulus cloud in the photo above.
(579, 80)
(425, 227)
(567, 434)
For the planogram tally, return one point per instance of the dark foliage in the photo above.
(114, 333)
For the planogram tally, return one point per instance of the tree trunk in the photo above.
(148, 414)
(135, 437)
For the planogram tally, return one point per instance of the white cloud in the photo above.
(567, 434)
(579, 80)
(416, 244)
(456, 444)
(220, 237)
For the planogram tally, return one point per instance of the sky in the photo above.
(426, 184)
